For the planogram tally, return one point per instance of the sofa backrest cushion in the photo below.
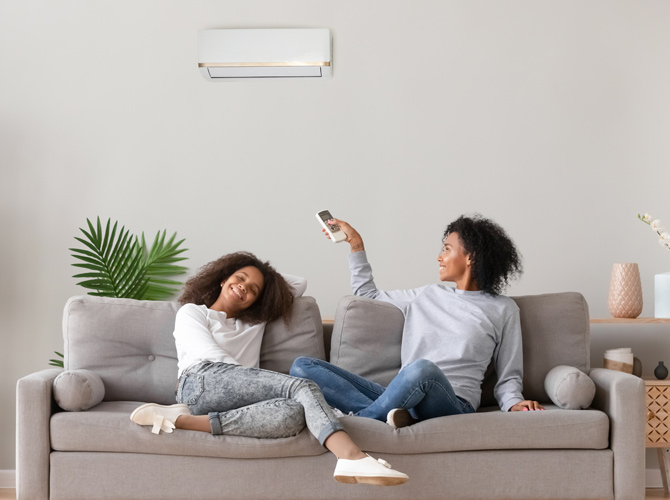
(367, 336)
(129, 344)
(303, 336)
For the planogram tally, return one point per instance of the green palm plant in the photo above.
(119, 265)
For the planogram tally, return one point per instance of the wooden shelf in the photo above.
(630, 320)
(655, 381)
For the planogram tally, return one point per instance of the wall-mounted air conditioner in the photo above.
(236, 54)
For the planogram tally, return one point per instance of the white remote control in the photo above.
(333, 230)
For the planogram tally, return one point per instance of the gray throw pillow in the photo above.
(78, 390)
(569, 387)
(303, 336)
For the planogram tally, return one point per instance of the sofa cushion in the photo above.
(107, 428)
(78, 390)
(367, 336)
(553, 428)
(569, 387)
(303, 336)
(129, 344)
(555, 329)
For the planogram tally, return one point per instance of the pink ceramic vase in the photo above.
(625, 297)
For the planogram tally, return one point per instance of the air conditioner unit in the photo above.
(237, 54)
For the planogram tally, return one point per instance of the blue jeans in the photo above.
(253, 402)
(419, 387)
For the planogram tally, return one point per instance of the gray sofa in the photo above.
(101, 454)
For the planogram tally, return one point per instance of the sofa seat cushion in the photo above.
(553, 428)
(107, 428)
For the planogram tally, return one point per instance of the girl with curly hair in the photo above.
(450, 333)
(221, 390)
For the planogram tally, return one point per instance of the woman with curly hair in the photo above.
(218, 333)
(449, 337)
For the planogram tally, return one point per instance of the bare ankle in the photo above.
(357, 455)
(193, 423)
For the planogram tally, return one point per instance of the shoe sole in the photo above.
(400, 419)
(147, 405)
(376, 480)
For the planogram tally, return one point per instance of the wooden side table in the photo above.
(658, 424)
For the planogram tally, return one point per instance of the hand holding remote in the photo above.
(352, 237)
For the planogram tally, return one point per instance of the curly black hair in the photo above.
(275, 300)
(495, 260)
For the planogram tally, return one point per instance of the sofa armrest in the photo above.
(622, 397)
(34, 407)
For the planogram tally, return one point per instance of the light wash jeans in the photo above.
(419, 387)
(252, 402)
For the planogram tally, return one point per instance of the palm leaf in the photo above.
(57, 362)
(115, 260)
(160, 259)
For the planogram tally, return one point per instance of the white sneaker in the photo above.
(161, 417)
(368, 470)
(400, 417)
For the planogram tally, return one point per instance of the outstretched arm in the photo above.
(362, 282)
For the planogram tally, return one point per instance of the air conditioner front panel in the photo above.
(264, 53)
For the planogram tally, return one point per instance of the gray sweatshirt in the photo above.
(458, 330)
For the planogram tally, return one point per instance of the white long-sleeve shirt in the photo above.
(458, 330)
(202, 334)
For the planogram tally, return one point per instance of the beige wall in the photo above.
(551, 117)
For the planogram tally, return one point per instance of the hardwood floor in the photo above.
(9, 494)
(655, 493)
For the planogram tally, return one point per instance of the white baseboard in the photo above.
(653, 478)
(7, 479)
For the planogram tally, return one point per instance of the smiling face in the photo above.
(239, 291)
(455, 263)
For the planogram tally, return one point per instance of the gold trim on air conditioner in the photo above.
(262, 64)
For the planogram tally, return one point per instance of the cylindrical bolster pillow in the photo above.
(569, 387)
(78, 390)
